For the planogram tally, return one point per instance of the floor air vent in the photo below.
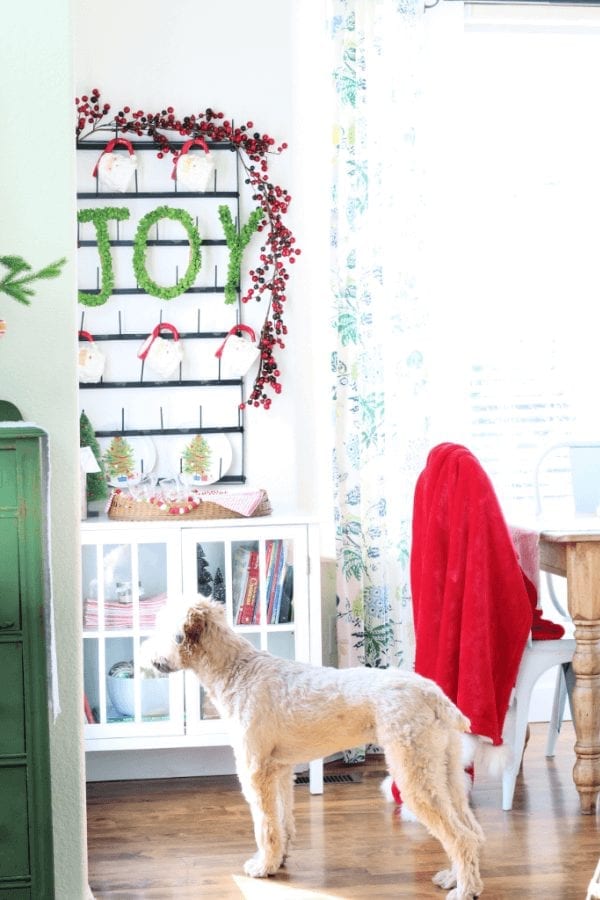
(332, 779)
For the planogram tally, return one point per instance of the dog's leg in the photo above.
(447, 878)
(286, 808)
(261, 788)
(422, 774)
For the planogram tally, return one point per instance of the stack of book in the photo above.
(279, 586)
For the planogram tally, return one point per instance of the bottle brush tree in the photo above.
(96, 487)
(219, 587)
(205, 579)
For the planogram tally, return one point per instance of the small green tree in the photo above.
(219, 587)
(205, 579)
(119, 458)
(96, 487)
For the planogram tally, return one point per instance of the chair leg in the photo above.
(570, 682)
(519, 724)
(558, 709)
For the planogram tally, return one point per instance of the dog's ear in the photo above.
(193, 628)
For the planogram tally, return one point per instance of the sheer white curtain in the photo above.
(376, 240)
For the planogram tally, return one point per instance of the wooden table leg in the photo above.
(583, 580)
(586, 713)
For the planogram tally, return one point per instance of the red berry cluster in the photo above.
(252, 148)
(89, 110)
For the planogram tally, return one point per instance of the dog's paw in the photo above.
(257, 867)
(469, 889)
(461, 895)
(445, 879)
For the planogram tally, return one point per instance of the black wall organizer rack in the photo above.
(111, 390)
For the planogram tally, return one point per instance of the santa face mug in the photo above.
(193, 172)
(237, 354)
(90, 361)
(115, 171)
(161, 355)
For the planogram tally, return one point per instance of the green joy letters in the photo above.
(102, 215)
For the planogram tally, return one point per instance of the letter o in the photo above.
(139, 253)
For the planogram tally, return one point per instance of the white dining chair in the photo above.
(567, 474)
(538, 657)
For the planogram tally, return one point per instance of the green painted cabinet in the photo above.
(26, 863)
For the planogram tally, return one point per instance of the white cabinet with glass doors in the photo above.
(265, 572)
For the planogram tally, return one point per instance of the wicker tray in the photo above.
(124, 507)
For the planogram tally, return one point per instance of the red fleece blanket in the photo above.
(473, 606)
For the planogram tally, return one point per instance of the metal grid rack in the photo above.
(116, 336)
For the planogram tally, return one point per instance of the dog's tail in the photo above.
(478, 751)
(448, 712)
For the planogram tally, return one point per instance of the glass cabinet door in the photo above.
(262, 582)
(260, 576)
(124, 586)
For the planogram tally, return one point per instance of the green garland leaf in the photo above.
(18, 288)
(140, 246)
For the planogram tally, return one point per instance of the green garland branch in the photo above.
(140, 247)
(19, 287)
(269, 277)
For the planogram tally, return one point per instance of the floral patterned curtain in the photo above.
(378, 359)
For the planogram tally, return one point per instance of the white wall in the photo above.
(37, 356)
(239, 58)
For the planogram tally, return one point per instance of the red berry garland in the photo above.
(252, 147)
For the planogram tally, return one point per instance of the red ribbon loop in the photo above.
(233, 330)
(143, 353)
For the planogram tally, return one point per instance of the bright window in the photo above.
(513, 280)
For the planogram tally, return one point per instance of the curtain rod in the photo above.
(577, 3)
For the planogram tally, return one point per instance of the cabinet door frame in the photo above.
(114, 735)
(30, 632)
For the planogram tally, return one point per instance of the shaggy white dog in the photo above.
(283, 713)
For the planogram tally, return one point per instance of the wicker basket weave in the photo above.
(124, 507)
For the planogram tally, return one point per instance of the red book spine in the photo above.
(247, 609)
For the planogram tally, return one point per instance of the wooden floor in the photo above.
(188, 838)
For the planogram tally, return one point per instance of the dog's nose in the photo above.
(162, 665)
